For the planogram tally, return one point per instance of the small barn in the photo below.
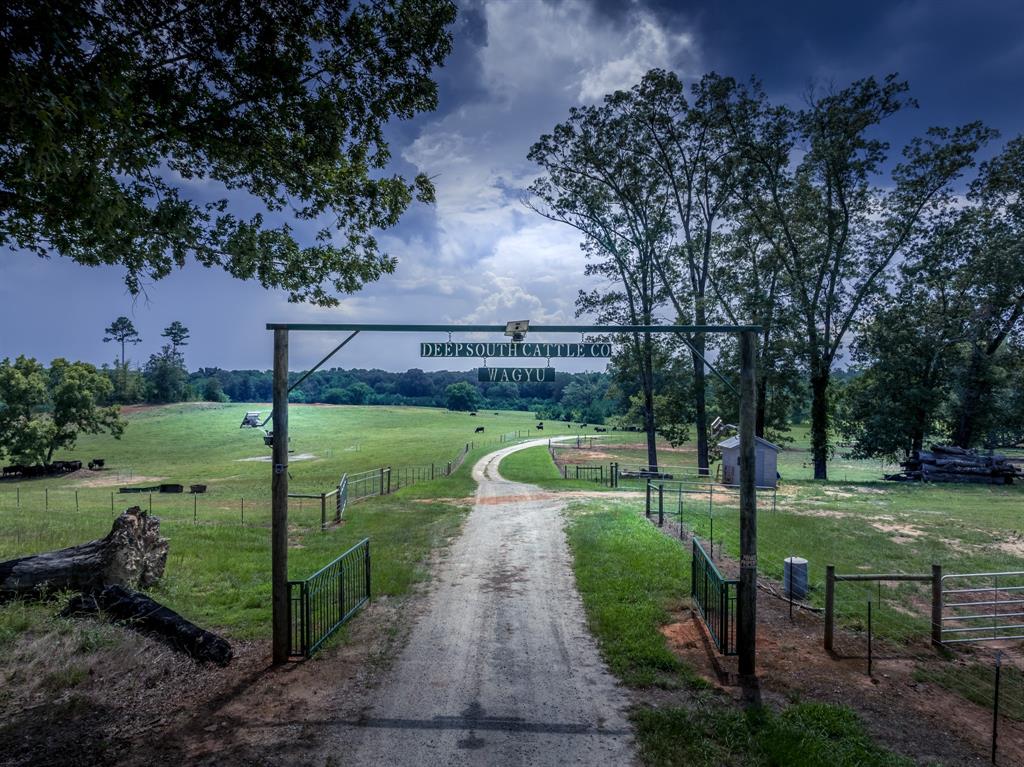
(766, 462)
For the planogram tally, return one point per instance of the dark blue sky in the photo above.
(517, 68)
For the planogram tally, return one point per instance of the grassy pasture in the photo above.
(218, 571)
(861, 526)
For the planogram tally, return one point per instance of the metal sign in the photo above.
(516, 375)
(514, 351)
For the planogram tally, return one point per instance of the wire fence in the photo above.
(954, 636)
(885, 624)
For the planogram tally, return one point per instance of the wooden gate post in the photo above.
(746, 601)
(937, 605)
(830, 606)
(279, 502)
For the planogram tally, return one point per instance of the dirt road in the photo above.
(500, 668)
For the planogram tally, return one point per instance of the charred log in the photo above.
(139, 612)
(132, 555)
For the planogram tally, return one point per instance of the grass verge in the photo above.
(630, 576)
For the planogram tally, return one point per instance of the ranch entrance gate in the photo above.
(746, 588)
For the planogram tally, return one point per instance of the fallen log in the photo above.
(132, 555)
(139, 612)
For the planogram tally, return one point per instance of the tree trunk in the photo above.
(819, 419)
(132, 554)
(762, 405)
(647, 376)
(138, 611)
(916, 440)
(974, 391)
(700, 401)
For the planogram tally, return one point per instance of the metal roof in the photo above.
(734, 441)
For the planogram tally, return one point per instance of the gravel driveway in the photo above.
(500, 669)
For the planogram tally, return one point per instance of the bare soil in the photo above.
(268, 458)
(139, 704)
(86, 478)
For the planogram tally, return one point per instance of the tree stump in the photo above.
(132, 555)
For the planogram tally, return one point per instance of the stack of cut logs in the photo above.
(948, 463)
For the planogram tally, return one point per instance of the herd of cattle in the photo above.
(49, 469)
(540, 427)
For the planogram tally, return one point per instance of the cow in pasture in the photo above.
(13, 471)
(541, 426)
(584, 425)
(472, 413)
(479, 429)
(600, 428)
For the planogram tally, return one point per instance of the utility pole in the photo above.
(746, 623)
(279, 496)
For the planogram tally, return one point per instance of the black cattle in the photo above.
(584, 425)
(600, 428)
(478, 429)
(541, 426)
(472, 413)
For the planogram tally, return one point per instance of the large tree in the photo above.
(594, 183)
(815, 184)
(122, 330)
(166, 376)
(686, 145)
(130, 126)
(176, 334)
(991, 272)
(42, 411)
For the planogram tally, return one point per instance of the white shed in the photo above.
(765, 462)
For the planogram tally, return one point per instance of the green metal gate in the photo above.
(714, 597)
(319, 605)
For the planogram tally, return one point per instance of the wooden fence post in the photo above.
(746, 598)
(323, 511)
(830, 606)
(937, 605)
(279, 502)
(647, 508)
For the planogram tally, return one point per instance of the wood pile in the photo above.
(948, 463)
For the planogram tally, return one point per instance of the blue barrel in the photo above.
(794, 577)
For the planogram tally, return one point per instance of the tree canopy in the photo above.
(42, 411)
(121, 119)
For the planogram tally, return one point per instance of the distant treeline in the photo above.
(571, 396)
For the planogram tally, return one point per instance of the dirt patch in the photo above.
(839, 493)
(820, 513)
(469, 500)
(86, 478)
(269, 458)
(1015, 547)
(903, 532)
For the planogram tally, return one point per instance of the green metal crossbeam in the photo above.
(328, 326)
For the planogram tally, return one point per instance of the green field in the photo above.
(218, 569)
(859, 526)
